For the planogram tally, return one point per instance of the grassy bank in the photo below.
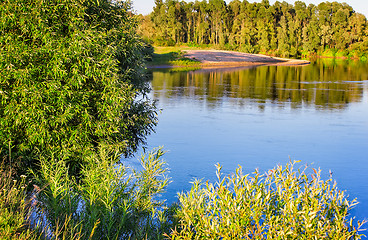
(173, 58)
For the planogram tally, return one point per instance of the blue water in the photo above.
(262, 117)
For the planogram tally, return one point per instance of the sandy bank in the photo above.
(219, 58)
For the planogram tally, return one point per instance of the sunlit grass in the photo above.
(15, 209)
(161, 50)
(174, 57)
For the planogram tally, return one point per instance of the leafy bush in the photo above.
(164, 42)
(68, 74)
(109, 202)
(341, 53)
(281, 204)
(328, 52)
(148, 51)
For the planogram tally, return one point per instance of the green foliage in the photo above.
(69, 80)
(284, 203)
(173, 58)
(116, 202)
(148, 51)
(281, 28)
(110, 201)
(341, 54)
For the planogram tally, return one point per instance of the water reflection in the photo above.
(325, 84)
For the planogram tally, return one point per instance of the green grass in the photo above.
(14, 207)
(173, 57)
(161, 50)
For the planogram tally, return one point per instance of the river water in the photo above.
(264, 116)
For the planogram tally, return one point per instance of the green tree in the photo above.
(283, 45)
(67, 80)
(281, 28)
(217, 14)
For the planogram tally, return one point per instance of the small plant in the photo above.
(281, 204)
(14, 207)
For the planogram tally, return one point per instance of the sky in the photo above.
(361, 6)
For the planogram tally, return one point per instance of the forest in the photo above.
(329, 29)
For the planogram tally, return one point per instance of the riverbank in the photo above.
(231, 58)
(164, 58)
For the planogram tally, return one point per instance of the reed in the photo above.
(109, 201)
(14, 207)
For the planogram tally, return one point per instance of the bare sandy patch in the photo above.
(217, 58)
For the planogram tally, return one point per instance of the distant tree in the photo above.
(282, 27)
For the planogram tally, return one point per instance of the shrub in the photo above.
(281, 204)
(341, 54)
(328, 52)
(109, 202)
(67, 80)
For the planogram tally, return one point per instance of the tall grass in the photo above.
(113, 201)
(284, 203)
(15, 209)
(110, 201)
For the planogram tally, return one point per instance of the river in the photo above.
(265, 116)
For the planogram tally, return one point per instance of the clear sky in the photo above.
(361, 6)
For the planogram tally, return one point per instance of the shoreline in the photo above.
(222, 57)
(226, 59)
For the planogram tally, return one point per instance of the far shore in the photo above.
(227, 59)
(232, 58)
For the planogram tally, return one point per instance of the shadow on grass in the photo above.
(174, 59)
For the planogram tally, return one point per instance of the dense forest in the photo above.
(330, 28)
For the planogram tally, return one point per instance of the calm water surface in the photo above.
(261, 117)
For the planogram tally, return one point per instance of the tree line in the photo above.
(284, 29)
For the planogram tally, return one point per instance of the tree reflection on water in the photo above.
(324, 84)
